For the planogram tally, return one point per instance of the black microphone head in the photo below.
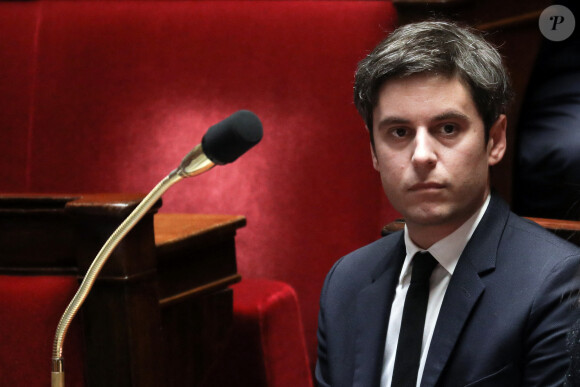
(227, 140)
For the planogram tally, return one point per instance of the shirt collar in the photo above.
(448, 250)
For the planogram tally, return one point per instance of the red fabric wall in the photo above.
(109, 96)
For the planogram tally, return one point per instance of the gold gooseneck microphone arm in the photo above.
(195, 163)
(223, 143)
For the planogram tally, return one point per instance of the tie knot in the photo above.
(423, 265)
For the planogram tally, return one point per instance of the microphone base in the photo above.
(57, 379)
(57, 374)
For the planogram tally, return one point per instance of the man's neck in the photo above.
(426, 235)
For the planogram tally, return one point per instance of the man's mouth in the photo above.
(427, 186)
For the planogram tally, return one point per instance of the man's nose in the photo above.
(424, 153)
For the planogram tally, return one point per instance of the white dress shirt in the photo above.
(446, 252)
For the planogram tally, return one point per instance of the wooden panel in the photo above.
(567, 229)
(195, 253)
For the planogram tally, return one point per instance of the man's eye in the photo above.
(399, 132)
(448, 128)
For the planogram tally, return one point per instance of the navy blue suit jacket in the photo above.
(503, 321)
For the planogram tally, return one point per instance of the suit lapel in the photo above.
(462, 294)
(465, 288)
(372, 315)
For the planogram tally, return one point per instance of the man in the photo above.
(497, 302)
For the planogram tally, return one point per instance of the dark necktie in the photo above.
(411, 336)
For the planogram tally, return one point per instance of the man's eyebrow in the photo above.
(451, 115)
(447, 115)
(393, 120)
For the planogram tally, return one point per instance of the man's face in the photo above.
(430, 150)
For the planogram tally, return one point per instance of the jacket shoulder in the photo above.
(535, 239)
(357, 268)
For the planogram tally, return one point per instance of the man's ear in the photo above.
(373, 154)
(497, 143)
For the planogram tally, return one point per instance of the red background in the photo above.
(109, 96)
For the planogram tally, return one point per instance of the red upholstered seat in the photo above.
(267, 348)
(30, 308)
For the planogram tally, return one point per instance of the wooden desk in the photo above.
(160, 310)
(196, 263)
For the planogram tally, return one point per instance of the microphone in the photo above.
(223, 143)
(226, 141)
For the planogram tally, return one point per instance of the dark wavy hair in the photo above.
(440, 48)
